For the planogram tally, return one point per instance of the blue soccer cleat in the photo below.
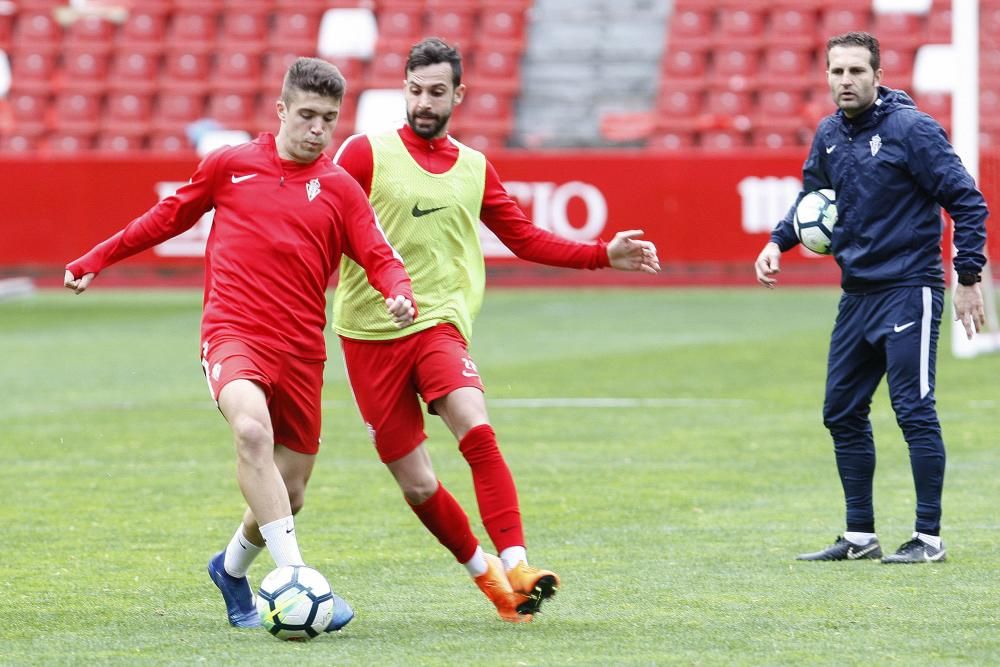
(237, 593)
(342, 614)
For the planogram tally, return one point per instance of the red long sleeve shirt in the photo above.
(499, 212)
(279, 231)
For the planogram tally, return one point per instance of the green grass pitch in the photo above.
(673, 518)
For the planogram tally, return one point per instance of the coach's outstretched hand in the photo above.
(768, 264)
(627, 253)
(402, 311)
(77, 284)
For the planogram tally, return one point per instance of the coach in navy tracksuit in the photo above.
(892, 168)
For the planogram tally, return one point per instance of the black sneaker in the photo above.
(916, 551)
(843, 549)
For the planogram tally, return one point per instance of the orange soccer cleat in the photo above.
(533, 584)
(493, 583)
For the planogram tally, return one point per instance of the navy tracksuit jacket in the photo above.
(892, 169)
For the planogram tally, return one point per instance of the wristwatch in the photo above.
(968, 279)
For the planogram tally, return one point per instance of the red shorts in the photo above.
(387, 376)
(293, 387)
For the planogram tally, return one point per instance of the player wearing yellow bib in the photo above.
(430, 192)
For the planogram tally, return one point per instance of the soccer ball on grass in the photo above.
(295, 602)
(815, 217)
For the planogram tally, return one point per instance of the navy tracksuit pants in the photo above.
(892, 333)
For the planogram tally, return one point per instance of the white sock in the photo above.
(932, 540)
(281, 543)
(240, 554)
(860, 539)
(477, 564)
(511, 556)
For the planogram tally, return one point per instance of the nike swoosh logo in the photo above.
(289, 530)
(854, 555)
(830, 149)
(903, 327)
(240, 179)
(419, 212)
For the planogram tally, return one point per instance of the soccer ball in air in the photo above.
(815, 216)
(295, 602)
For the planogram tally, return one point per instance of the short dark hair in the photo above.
(862, 39)
(313, 75)
(432, 51)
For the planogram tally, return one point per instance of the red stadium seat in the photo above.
(691, 24)
(897, 66)
(78, 111)
(246, 26)
(127, 107)
(295, 30)
(666, 138)
(794, 66)
(175, 109)
(187, 68)
(116, 142)
(793, 25)
(192, 27)
(70, 143)
(725, 102)
(989, 24)
(776, 138)
(496, 67)
(34, 27)
(387, 68)
(6, 29)
(234, 111)
(21, 142)
(680, 105)
(401, 21)
(486, 106)
(939, 24)
(680, 62)
(86, 66)
(500, 22)
(89, 29)
(29, 107)
(454, 23)
(136, 68)
(937, 105)
(145, 25)
(901, 29)
(723, 140)
(33, 66)
(737, 24)
(836, 20)
(735, 66)
(237, 69)
(780, 102)
(171, 142)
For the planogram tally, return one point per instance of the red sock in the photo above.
(447, 521)
(495, 490)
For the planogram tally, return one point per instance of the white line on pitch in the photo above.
(566, 402)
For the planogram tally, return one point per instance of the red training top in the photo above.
(499, 212)
(279, 231)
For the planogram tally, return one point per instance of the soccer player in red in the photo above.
(430, 193)
(284, 215)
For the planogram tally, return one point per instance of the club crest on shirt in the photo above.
(312, 188)
(875, 144)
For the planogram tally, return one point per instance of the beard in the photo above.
(440, 122)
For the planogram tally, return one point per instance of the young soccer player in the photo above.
(284, 214)
(430, 193)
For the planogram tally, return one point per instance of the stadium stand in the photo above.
(671, 75)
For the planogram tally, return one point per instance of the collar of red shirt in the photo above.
(414, 140)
